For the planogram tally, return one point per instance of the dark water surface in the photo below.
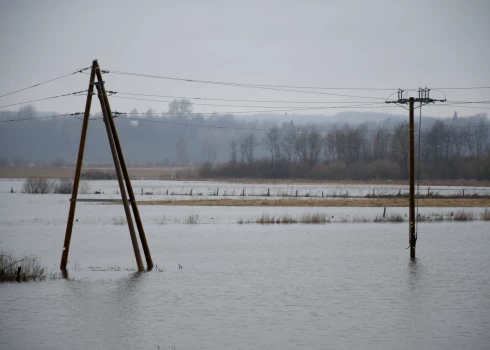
(259, 287)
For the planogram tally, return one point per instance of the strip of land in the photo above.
(190, 173)
(378, 202)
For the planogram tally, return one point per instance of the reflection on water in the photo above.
(262, 287)
(413, 271)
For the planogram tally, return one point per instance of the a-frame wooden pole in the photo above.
(117, 165)
(78, 169)
(124, 169)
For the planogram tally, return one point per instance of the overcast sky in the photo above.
(362, 44)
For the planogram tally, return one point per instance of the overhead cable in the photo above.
(45, 82)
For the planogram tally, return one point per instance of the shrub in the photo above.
(395, 217)
(187, 173)
(192, 219)
(65, 186)
(206, 170)
(265, 219)
(485, 216)
(462, 215)
(98, 175)
(30, 267)
(316, 218)
(37, 186)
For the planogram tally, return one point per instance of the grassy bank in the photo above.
(378, 202)
(322, 218)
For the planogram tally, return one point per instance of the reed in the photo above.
(485, 216)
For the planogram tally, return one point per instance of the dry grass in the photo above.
(267, 219)
(119, 220)
(315, 218)
(395, 217)
(462, 215)
(380, 202)
(192, 219)
(485, 216)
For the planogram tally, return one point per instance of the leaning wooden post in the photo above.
(125, 173)
(78, 169)
(117, 165)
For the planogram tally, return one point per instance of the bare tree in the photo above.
(480, 135)
(381, 140)
(182, 156)
(180, 107)
(329, 145)
(209, 152)
(340, 142)
(233, 145)
(288, 142)
(247, 147)
(314, 144)
(301, 145)
(354, 143)
(273, 142)
(400, 146)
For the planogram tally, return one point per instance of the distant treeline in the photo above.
(349, 145)
(445, 150)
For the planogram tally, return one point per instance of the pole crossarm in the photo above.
(424, 97)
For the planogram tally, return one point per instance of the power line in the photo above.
(239, 106)
(285, 109)
(117, 114)
(37, 118)
(231, 100)
(255, 106)
(457, 105)
(44, 82)
(463, 88)
(252, 86)
(43, 99)
(247, 128)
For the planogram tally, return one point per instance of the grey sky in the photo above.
(372, 44)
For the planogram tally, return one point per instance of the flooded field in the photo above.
(307, 286)
(195, 190)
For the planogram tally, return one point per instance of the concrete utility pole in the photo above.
(423, 98)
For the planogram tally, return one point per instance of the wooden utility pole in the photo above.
(121, 172)
(423, 99)
(78, 169)
(125, 173)
(412, 239)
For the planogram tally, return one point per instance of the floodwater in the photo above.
(247, 286)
